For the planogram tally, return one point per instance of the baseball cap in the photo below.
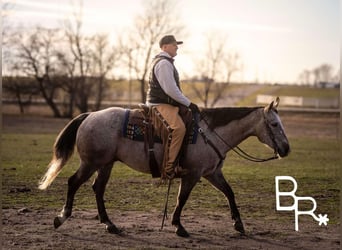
(168, 40)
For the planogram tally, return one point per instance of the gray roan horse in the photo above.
(100, 143)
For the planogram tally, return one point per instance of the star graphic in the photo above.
(323, 219)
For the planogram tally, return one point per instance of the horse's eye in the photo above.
(274, 124)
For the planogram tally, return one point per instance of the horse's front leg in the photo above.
(187, 184)
(217, 180)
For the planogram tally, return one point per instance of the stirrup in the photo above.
(170, 175)
(179, 171)
(176, 172)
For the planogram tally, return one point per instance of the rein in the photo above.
(240, 152)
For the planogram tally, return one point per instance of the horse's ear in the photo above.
(272, 105)
(275, 105)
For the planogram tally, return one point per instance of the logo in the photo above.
(321, 219)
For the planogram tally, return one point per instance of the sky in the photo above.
(276, 39)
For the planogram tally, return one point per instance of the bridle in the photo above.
(237, 149)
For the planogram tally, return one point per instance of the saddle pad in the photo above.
(134, 128)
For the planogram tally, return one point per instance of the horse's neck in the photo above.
(237, 131)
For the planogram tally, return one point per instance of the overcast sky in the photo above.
(276, 39)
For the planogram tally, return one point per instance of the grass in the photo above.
(306, 92)
(314, 163)
(288, 90)
(277, 90)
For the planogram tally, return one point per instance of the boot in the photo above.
(179, 171)
(169, 173)
(176, 171)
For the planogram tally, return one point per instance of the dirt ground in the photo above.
(25, 228)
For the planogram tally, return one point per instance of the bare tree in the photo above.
(217, 68)
(323, 73)
(213, 59)
(67, 66)
(231, 65)
(30, 56)
(128, 61)
(158, 18)
(21, 88)
(89, 60)
(320, 74)
(104, 58)
(79, 48)
(36, 57)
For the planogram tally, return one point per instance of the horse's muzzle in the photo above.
(284, 150)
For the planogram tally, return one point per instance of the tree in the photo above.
(231, 65)
(321, 73)
(68, 67)
(103, 59)
(23, 89)
(159, 18)
(88, 60)
(36, 57)
(80, 59)
(216, 68)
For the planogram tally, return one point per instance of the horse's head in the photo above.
(272, 131)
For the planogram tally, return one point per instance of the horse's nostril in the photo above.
(285, 150)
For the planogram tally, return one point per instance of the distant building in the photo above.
(328, 85)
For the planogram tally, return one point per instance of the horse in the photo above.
(100, 143)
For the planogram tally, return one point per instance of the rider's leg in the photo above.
(175, 128)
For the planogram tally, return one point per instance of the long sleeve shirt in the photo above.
(164, 73)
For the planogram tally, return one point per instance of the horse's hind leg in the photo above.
(99, 186)
(74, 182)
(217, 180)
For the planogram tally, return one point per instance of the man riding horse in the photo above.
(165, 96)
(100, 143)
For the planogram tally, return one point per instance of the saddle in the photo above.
(138, 127)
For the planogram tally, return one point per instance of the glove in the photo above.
(194, 108)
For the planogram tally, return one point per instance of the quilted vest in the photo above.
(155, 94)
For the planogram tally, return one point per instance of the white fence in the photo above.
(298, 101)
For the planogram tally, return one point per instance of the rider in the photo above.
(165, 95)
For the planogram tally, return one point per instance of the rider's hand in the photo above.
(194, 108)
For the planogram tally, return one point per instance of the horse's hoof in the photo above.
(180, 231)
(113, 229)
(57, 222)
(239, 227)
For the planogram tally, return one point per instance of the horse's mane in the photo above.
(217, 117)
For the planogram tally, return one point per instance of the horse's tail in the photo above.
(63, 150)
